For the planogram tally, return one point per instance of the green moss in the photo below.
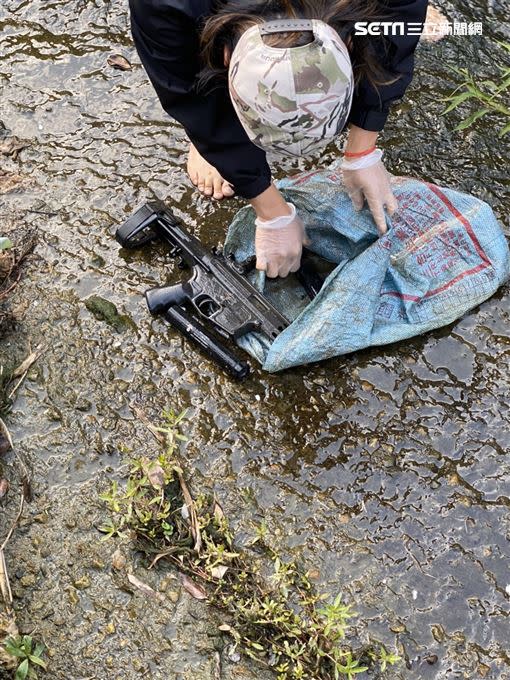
(106, 311)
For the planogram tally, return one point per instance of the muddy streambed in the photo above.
(387, 471)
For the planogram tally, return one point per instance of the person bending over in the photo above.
(245, 77)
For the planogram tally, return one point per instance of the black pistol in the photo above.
(217, 303)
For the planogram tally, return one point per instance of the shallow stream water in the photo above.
(388, 471)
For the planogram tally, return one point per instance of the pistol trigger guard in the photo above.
(206, 306)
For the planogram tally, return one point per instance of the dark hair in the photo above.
(232, 17)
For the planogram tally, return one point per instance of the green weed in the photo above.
(29, 654)
(489, 95)
(275, 616)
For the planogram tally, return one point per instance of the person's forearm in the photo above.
(360, 140)
(270, 204)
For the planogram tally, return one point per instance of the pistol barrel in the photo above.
(197, 333)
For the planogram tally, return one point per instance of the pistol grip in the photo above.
(137, 231)
(159, 300)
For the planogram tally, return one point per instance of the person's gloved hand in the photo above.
(367, 178)
(279, 244)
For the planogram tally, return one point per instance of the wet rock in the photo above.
(4, 487)
(431, 659)
(106, 311)
(41, 518)
(83, 404)
(73, 598)
(97, 261)
(90, 652)
(118, 560)
(398, 628)
(119, 62)
(165, 583)
(45, 551)
(82, 583)
(53, 414)
(138, 664)
(28, 580)
(233, 654)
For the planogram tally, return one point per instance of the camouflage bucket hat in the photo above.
(291, 100)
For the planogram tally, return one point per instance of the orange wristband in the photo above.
(348, 154)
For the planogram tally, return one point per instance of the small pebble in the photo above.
(28, 580)
(119, 62)
(118, 560)
(431, 659)
(398, 628)
(41, 518)
(73, 596)
(4, 487)
(82, 583)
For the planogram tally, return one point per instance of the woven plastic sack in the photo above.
(444, 254)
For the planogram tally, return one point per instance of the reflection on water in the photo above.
(388, 470)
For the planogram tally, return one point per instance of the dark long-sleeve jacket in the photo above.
(166, 36)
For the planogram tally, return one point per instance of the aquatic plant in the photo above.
(489, 94)
(29, 654)
(274, 614)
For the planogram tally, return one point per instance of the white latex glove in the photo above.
(279, 244)
(367, 178)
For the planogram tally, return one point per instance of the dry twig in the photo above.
(5, 586)
(23, 368)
